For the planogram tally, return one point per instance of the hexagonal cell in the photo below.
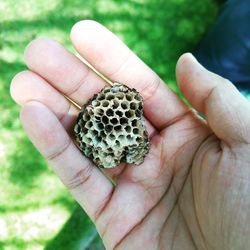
(133, 106)
(100, 97)
(108, 128)
(105, 119)
(110, 97)
(116, 104)
(119, 113)
(128, 129)
(105, 103)
(129, 97)
(129, 113)
(123, 121)
(125, 105)
(77, 128)
(95, 103)
(99, 111)
(89, 124)
(109, 112)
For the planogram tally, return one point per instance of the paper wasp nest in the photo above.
(110, 128)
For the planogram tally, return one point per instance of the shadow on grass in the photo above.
(78, 233)
(7, 71)
(158, 31)
(26, 164)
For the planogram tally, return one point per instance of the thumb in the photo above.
(226, 110)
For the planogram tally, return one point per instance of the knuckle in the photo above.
(151, 88)
(80, 178)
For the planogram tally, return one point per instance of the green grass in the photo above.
(36, 211)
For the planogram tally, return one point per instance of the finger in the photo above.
(86, 183)
(62, 70)
(27, 86)
(113, 58)
(226, 110)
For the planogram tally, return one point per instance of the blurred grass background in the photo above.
(36, 211)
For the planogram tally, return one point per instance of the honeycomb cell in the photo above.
(99, 111)
(129, 97)
(114, 121)
(94, 132)
(123, 121)
(129, 113)
(102, 134)
(135, 131)
(95, 103)
(116, 104)
(138, 113)
(133, 105)
(110, 112)
(100, 126)
(108, 128)
(119, 95)
(119, 113)
(77, 129)
(118, 128)
(89, 124)
(117, 143)
(110, 97)
(124, 105)
(129, 137)
(84, 130)
(112, 137)
(101, 97)
(97, 119)
(128, 129)
(105, 103)
(134, 123)
(105, 120)
(86, 117)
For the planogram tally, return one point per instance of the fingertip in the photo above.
(30, 47)
(185, 64)
(94, 42)
(184, 58)
(29, 111)
(184, 71)
(38, 46)
(16, 87)
(84, 25)
(28, 118)
(42, 127)
(13, 86)
(85, 36)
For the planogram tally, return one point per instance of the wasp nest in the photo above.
(110, 128)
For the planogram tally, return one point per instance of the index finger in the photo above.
(114, 59)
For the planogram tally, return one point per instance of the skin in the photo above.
(191, 192)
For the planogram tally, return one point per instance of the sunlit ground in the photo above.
(34, 206)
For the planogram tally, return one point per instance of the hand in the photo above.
(191, 192)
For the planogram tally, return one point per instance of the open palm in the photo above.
(191, 192)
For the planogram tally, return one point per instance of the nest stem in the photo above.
(96, 71)
(73, 102)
